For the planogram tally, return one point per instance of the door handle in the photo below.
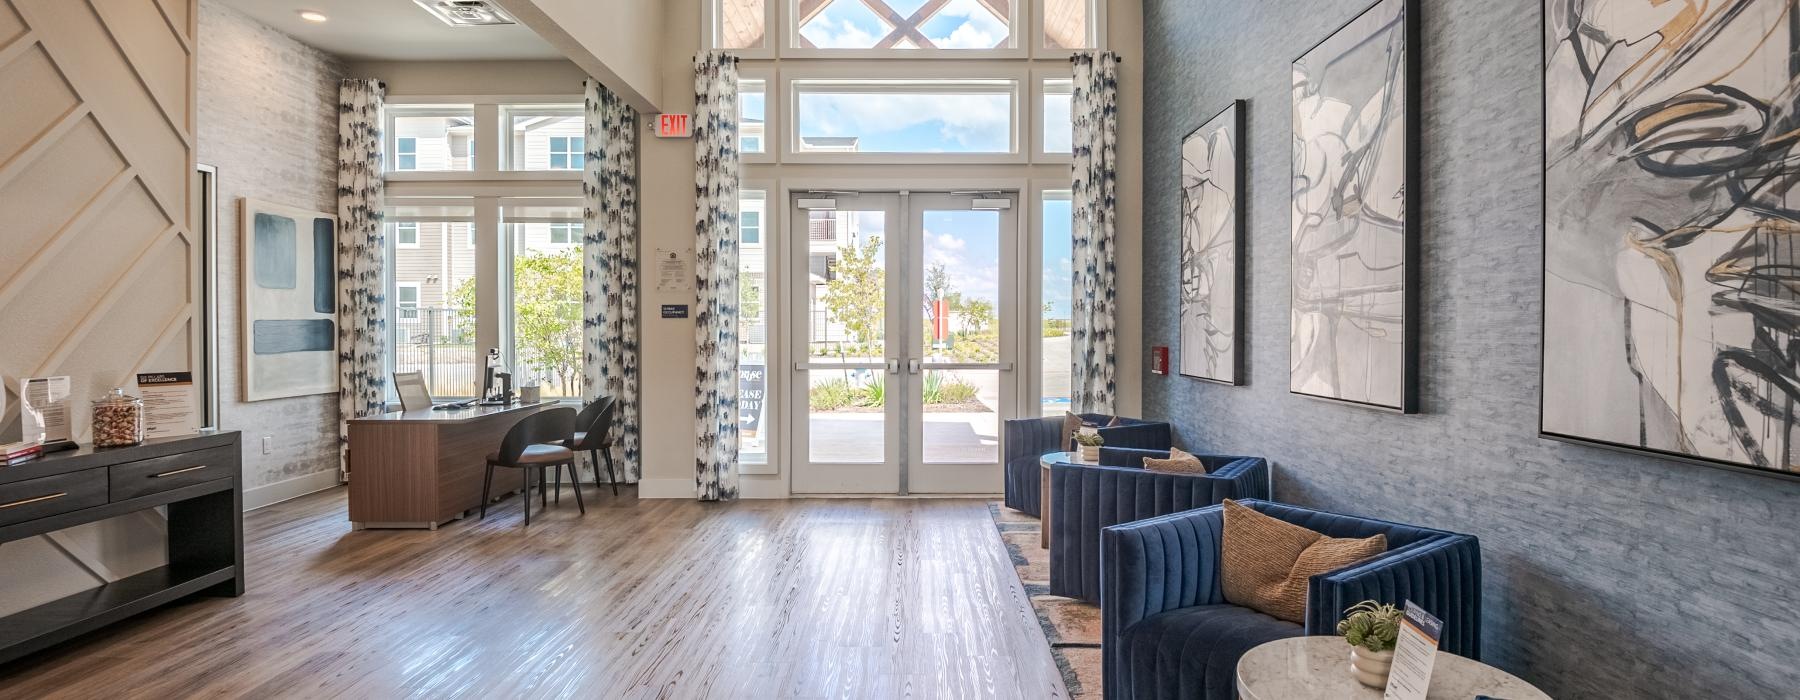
(893, 366)
(912, 366)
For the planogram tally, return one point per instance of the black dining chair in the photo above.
(593, 435)
(531, 446)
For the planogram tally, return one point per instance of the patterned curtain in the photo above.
(362, 260)
(716, 276)
(1094, 108)
(609, 298)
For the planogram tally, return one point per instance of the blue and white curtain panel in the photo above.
(1094, 109)
(361, 259)
(609, 298)
(716, 276)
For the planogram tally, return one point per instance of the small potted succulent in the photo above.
(1371, 628)
(1089, 442)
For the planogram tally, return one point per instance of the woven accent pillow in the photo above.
(1071, 424)
(1268, 560)
(1178, 463)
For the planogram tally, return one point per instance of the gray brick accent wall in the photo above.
(268, 120)
(1607, 574)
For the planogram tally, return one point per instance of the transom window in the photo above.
(545, 137)
(904, 24)
(905, 116)
(428, 138)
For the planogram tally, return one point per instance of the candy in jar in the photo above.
(118, 419)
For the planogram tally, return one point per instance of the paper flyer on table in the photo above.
(1414, 653)
(169, 404)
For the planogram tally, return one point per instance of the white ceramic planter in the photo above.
(1371, 667)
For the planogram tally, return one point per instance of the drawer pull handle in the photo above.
(29, 501)
(178, 471)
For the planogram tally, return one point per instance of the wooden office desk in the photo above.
(419, 469)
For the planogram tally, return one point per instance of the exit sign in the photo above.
(674, 126)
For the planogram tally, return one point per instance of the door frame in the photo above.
(792, 407)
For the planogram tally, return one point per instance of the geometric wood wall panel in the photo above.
(96, 157)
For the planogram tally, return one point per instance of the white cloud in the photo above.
(979, 28)
(975, 121)
(844, 35)
(948, 242)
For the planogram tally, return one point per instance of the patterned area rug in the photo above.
(1073, 627)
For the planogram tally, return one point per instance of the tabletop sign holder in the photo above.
(1414, 653)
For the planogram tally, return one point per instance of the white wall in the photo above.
(615, 41)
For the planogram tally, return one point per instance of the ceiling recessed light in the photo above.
(312, 15)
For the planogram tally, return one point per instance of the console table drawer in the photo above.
(41, 498)
(143, 477)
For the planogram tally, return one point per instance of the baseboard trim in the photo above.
(748, 488)
(289, 489)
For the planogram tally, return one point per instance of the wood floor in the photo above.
(638, 599)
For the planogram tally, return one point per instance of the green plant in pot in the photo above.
(1371, 628)
(1089, 441)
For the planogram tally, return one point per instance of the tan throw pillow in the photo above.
(1268, 560)
(1071, 423)
(1178, 462)
(1115, 422)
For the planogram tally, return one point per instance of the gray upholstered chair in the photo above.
(535, 442)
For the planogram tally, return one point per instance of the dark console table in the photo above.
(198, 477)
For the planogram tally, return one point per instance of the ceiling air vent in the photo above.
(466, 13)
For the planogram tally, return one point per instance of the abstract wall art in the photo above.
(1672, 228)
(1351, 336)
(1211, 197)
(290, 302)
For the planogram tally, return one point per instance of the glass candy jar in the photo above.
(118, 419)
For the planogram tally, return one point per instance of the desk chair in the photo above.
(529, 445)
(593, 435)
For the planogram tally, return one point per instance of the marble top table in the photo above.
(1044, 463)
(1305, 668)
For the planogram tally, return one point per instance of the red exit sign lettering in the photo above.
(673, 126)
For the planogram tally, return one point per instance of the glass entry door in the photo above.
(906, 312)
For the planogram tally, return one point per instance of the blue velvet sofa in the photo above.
(1089, 498)
(1030, 438)
(1167, 631)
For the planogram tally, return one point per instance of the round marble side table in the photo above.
(1044, 463)
(1309, 668)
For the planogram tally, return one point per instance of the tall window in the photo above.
(545, 307)
(753, 329)
(433, 300)
(1058, 280)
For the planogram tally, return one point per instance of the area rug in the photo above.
(1071, 626)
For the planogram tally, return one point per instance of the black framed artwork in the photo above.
(1212, 313)
(1671, 207)
(1352, 336)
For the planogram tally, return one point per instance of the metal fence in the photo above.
(440, 343)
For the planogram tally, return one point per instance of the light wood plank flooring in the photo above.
(638, 599)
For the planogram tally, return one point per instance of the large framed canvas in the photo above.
(1671, 214)
(1211, 201)
(290, 302)
(1352, 335)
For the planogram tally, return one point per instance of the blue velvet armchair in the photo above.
(1167, 631)
(1089, 498)
(1030, 438)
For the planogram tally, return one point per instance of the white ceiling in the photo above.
(394, 30)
